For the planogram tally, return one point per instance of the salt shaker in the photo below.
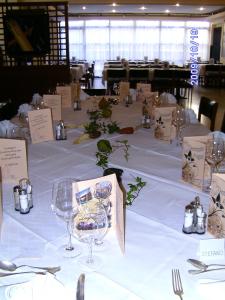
(16, 193)
(188, 219)
(201, 223)
(61, 131)
(24, 205)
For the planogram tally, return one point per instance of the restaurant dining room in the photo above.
(112, 150)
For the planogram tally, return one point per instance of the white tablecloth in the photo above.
(154, 240)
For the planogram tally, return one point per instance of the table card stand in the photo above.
(66, 92)
(40, 123)
(163, 123)
(117, 226)
(124, 90)
(55, 103)
(13, 160)
(1, 208)
(195, 169)
(216, 214)
(142, 90)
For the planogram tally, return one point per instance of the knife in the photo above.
(80, 287)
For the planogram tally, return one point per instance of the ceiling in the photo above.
(168, 10)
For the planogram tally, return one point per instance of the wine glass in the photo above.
(214, 155)
(102, 191)
(179, 121)
(62, 205)
(89, 224)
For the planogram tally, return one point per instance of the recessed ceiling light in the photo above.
(177, 4)
(143, 7)
(201, 8)
(114, 4)
(167, 11)
(84, 7)
(113, 10)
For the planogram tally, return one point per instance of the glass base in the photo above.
(94, 264)
(102, 245)
(69, 253)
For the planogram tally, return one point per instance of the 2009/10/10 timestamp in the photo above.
(194, 45)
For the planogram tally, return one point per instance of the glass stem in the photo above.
(69, 246)
(90, 259)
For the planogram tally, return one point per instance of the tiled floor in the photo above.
(217, 94)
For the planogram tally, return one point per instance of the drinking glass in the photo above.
(179, 121)
(215, 153)
(62, 205)
(89, 224)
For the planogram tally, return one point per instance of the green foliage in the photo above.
(134, 190)
(105, 149)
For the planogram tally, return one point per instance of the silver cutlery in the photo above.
(10, 266)
(201, 265)
(177, 284)
(17, 273)
(195, 272)
(80, 287)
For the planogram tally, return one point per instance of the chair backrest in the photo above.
(116, 74)
(208, 108)
(223, 124)
(139, 74)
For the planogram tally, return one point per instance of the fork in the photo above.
(177, 284)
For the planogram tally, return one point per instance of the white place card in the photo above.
(55, 103)
(40, 123)
(66, 93)
(211, 249)
(124, 90)
(13, 160)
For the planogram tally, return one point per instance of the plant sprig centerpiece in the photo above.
(105, 149)
(134, 190)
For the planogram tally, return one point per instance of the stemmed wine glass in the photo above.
(179, 121)
(62, 205)
(89, 224)
(214, 155)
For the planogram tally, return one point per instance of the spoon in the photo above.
(10, 266)
(201, 265)
(195, 272)
(18, 273)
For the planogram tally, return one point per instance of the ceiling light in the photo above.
(114, 4)
(84, 7)
(143, 7)
(113, 10)
(178, 4)
(167, 11)
(201, 8)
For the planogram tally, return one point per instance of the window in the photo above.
(99, 40)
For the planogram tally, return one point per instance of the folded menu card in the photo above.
(75, 91)
(40, 123)
(66, 92)
(163, 122)
(55, 103)
(216, 214)
(13, 160)
(195, 169)
(124, 90)
(1, 209)
(142, 89)
(106, 191)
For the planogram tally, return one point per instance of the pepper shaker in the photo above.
(16, 193)
(188, 219)
(24, 206)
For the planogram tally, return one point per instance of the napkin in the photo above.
(36, 99)
(167, 98)
(41, 287)
(24, 108)
(7, 128)
(190, 116)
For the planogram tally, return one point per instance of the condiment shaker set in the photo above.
(23, 196)
(194, 218)
(60, 131)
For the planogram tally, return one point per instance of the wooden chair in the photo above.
(208, 108)
(223, 124)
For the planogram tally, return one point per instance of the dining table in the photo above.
(154, 241)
